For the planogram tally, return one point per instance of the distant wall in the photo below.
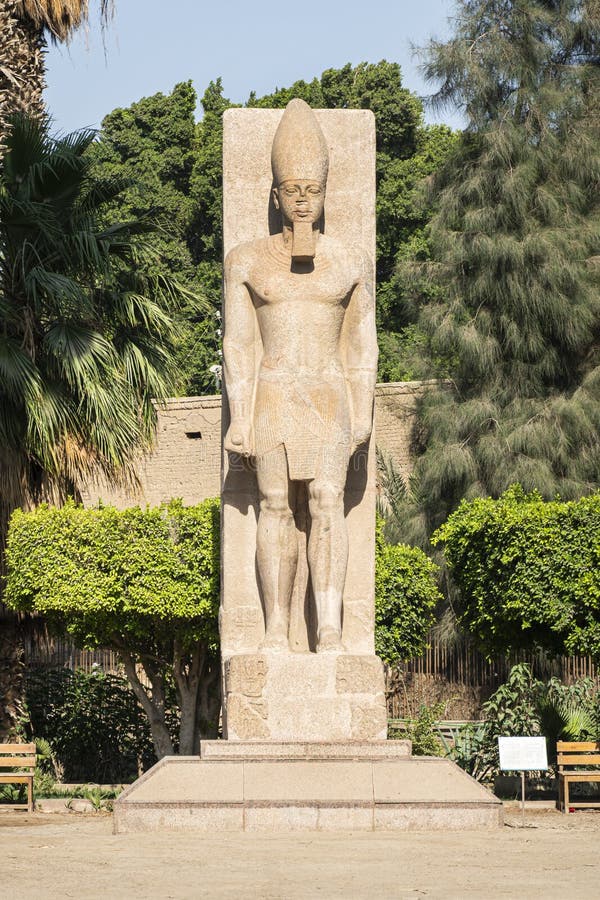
(186, 459)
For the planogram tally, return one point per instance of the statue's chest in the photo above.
(327, 284)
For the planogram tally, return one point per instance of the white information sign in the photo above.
(523, 754)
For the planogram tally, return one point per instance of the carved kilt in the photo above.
(307, 412)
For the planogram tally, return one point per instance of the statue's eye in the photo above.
(314, 190)
(291, 191)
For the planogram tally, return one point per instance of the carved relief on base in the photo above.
(304, 696)
(369, 721)
(241, 627)
(247, 718)
(246, 674)
(358, 675)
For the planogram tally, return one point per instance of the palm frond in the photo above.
(63, 17)
(88, 334)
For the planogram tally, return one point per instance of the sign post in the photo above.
(523, 754)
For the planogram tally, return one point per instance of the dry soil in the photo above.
(51, 856)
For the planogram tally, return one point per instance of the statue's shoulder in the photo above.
(357, 261)
(246, 253)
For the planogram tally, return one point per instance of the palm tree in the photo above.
(25, 26)
(86, 335)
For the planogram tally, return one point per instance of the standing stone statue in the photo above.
(298, 480)
(305, 732)
(304, 407)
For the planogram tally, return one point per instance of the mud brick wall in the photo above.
(186, 459)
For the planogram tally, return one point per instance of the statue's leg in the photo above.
(276, 545)
(328, 559)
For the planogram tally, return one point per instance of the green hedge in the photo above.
(528, 571)
(406, 596)
(144, 582)
(140, 574)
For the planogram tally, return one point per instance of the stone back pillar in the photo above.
(298, 695)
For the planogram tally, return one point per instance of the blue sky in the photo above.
(252, 44)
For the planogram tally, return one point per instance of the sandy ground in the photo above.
(51, 856)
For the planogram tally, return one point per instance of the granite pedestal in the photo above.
(305, 786)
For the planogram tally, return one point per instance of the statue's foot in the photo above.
(330, 641)
(275, 641)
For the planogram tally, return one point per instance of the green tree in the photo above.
(205, 233)
(406, 596)
(513, 308)
(86, 337)
(151, 145)
(403, 213)
(528, 572)
(143, 582)
(143, 141)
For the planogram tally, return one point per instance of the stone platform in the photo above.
(305, 786)
(304, 697)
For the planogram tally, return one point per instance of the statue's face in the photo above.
(300, 200)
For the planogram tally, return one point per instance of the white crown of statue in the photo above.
(299, 146)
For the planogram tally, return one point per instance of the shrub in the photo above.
(406, 595)
(93, 723)
(523, 706)
(528, 572)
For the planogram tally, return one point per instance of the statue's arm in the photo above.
(361, 353)
(238, 355)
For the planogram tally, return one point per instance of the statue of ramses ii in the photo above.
(305, 406)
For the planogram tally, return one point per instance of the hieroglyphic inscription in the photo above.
(247, 718)
(358, 675)
(247, 675)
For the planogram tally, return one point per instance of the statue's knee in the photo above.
(276, 503)
(324, 500)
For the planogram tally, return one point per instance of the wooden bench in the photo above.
(18, 756)
(570, 756)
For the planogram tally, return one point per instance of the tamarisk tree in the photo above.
(513, 315)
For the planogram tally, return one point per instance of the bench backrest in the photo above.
(578, 753)
(13, 756)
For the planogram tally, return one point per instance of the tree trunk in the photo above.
(197, 679)
(12, 671)
(187, 671)
(187, 722)
(154, 706)
(209, 701)
(22, 66)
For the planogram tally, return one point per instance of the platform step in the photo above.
(257, 794)
(286, 750)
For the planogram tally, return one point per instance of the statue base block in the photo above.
(304, 697)
(304, 786)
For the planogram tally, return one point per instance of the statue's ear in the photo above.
(276, 198)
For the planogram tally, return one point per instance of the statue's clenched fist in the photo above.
(240, 438)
